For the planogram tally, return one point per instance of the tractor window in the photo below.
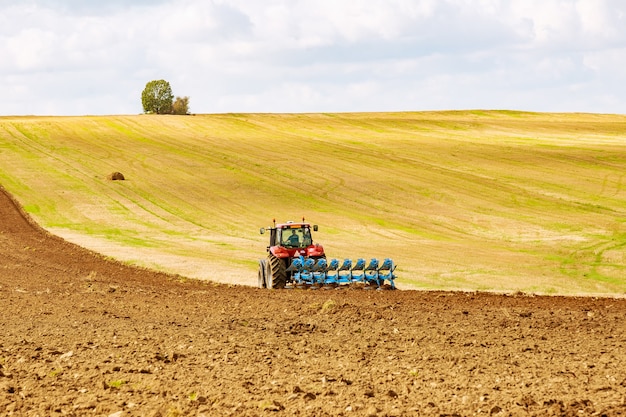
(296, 238)
(306, 237)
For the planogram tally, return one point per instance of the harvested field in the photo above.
(86, 335)
(458, 199)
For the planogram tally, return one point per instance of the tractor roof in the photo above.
(292, 225)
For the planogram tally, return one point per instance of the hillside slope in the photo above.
(501, 201)
(83, 335)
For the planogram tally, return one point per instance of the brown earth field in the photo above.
(84, 335)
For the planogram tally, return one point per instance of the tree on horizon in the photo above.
(181, 105)
(157, 97)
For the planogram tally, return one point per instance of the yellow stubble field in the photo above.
(461, 200)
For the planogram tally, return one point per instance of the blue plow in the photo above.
(311, 273)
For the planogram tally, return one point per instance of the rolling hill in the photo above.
(471, 200)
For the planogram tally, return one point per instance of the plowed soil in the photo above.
(85, 335)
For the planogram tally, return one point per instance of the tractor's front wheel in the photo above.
(262, 273)
(276, 275)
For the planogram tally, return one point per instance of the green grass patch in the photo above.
(117, 384)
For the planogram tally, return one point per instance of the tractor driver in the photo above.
(293, 240)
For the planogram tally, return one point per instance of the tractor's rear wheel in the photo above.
(262, 273)
(276, 275)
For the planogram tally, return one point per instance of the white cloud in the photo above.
(77, 57)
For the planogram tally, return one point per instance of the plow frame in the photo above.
(307, 272)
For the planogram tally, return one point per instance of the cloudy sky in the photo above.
(77, 57)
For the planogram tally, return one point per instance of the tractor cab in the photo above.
(290, 239)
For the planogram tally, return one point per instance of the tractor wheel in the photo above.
(262, 269)
(276, 275)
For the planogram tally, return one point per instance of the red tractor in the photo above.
(288, 241)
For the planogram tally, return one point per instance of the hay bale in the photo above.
(116, 176)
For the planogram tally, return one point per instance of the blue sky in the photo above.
(77, 57)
